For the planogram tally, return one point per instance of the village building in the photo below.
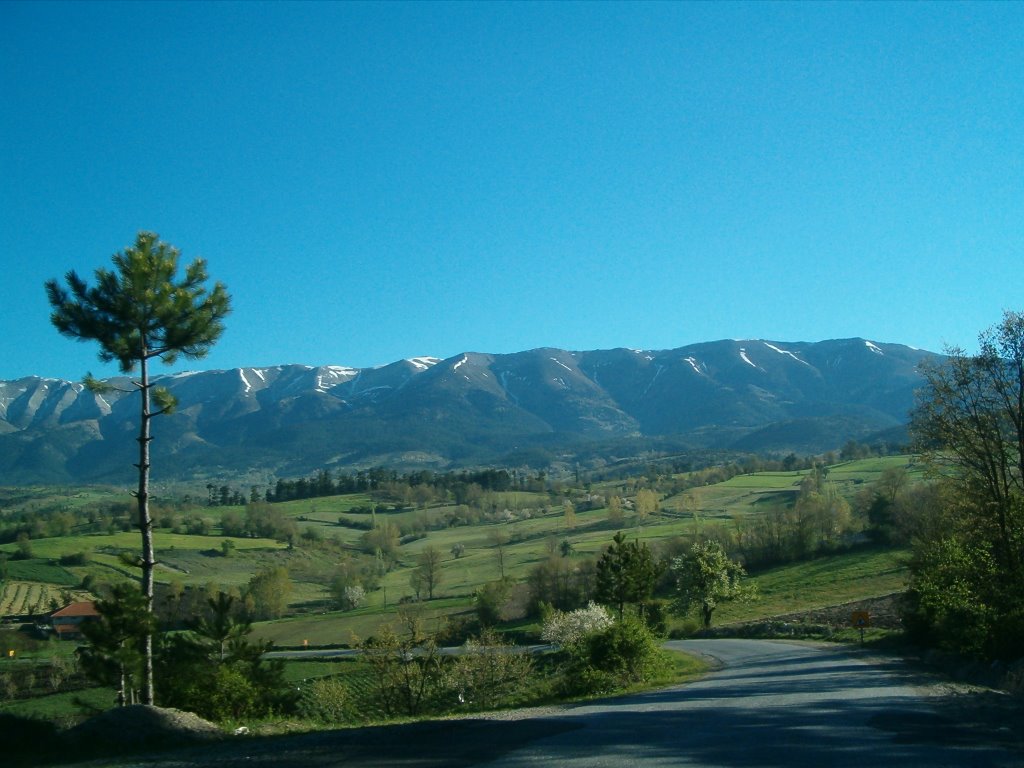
(67, 621)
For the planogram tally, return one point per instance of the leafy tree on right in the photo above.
(967, 573)
(705, 578)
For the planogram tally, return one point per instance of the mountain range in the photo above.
(473, 409)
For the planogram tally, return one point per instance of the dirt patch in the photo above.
(140, 727)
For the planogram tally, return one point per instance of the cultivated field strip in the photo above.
(20, 598)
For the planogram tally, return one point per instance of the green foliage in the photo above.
(561, 582)
(222, 629)
(603, 655)
(262, 520)
(951, 596)
(626, 573)
(967, 576)
(488, 673)
(628, 651)
(215, 671)
(407, 672)
(705, 578)
(267, 593)
(76, 558)
(490, 601)
(136, 313)
(325, 700)
(141, 309)
(233, 694)
(114, 654)
(383, 538)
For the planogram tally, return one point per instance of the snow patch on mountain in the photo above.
(743, 354)
(423, 363)
(556, 360)
(874, 348)
(695, 365)
(786, 352)
(245, 381)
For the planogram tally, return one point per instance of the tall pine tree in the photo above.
(139, 311)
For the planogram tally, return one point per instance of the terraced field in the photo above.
(21, 598)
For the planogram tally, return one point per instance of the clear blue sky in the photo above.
(381, 181)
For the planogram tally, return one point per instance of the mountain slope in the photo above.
(469, 409)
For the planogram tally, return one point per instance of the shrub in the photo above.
(627, 650)
(325, 699)
(488, 673)
(571, 629)
(76, 558)
(406, 672)
(232, 696)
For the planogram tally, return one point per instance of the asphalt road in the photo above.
(771, 704)
(768, 704)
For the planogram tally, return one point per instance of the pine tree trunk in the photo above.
(146, 528)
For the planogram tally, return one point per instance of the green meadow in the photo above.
(532, 527)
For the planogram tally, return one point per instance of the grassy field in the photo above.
(534, 526)
(821, 582)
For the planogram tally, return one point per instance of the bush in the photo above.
(489, 673)
(571, 629)
(406, 672)
(326, 700)
(233, 695)
(627, 650)
(76, 558)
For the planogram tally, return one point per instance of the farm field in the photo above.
(531, 525)
(23, 598)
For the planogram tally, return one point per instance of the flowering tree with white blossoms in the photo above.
(570, 629)
(352, 597)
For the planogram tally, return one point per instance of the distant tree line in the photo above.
(326, 483)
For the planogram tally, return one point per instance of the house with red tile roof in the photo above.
(67, 621)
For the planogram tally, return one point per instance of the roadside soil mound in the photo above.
(140, 726)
